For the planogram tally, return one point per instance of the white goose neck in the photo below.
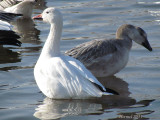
(52, 45)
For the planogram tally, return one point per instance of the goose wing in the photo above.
(84, 72)
(63, 74)
(6, 16)
(7, 3)
(89, 51)
(7, 36)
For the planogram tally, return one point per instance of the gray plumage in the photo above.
(107, 57)
(91, 50)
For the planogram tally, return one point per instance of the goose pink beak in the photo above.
(38, 17)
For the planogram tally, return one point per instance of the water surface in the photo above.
(84, 20)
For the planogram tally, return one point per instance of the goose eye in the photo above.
(47, 12)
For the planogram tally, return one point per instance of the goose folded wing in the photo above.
(84, 72)
(68, 76)
(9, 38)
(6, 16)
(7, 35)
(88, 52)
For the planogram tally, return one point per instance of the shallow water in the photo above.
(84, 20)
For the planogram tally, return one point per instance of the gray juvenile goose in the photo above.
(107, 57)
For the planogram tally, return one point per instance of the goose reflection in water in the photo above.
(116, 84)
(26, 28)
(29, 34)
(56, 109)
(8, 56)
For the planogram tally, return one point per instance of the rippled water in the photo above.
(84, 20)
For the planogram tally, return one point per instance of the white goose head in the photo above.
(134, 33)
(50, 15)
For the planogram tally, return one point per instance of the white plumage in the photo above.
(59, 76)
(24, 7)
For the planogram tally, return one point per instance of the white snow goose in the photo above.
(59, 76)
